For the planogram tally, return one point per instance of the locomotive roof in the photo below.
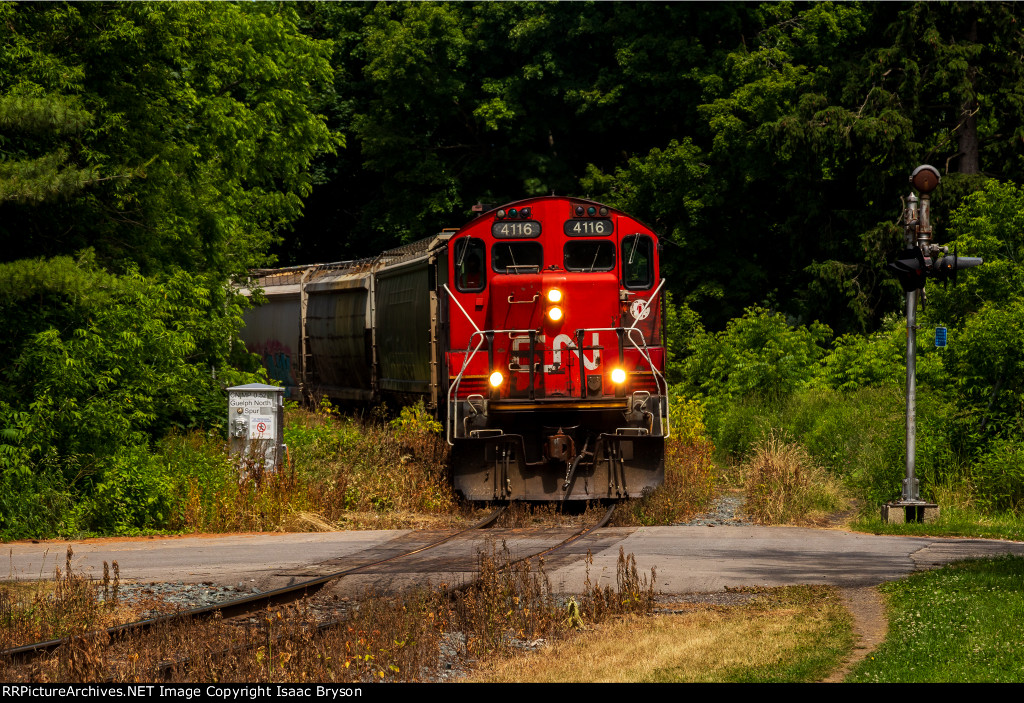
(549, 198)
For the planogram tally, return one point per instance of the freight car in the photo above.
(533, 333)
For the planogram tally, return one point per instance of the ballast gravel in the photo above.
(157, 598)
(726, 511)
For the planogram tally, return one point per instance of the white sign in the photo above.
(261, 427)
(252, 402)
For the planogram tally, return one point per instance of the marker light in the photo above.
(496, 379)
(555, 313)
(618, 376)
(554, 296)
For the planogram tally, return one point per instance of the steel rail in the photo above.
(166, 669)
(240, 606)
(567, 541)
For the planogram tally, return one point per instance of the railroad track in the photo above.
(279, 597)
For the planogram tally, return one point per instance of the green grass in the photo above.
(958, 624)
(954, 521)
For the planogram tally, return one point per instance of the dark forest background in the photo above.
(150, 152)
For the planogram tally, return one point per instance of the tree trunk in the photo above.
(970, 157)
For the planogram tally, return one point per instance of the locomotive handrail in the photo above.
(451, 296)
(643, 352)
(649, 301)
(465, 364)
(482, 334)
(641, 348)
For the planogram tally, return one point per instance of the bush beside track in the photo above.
(341, 472)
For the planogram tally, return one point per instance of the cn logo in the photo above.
(521, 348)
(640, 309)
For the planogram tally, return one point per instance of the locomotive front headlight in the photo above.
(496, 379)
(618, 375)
(554, 296)
(555, 313)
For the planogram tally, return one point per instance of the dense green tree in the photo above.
(146, 152)
(985, 310)
(162, 135)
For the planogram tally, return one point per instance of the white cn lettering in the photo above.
(564, 340)
(521, 348)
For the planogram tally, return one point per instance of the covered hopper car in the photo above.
(533, 333)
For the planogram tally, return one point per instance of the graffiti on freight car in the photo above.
(277, 358)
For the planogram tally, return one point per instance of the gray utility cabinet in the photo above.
(256, 425)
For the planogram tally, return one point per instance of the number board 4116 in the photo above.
(588, 228)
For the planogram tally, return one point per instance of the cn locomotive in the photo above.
(533, 333)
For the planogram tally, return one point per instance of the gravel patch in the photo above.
(726, 510)
(157, 598)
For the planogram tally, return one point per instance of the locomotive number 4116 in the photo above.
(524, 229)
(588, 228)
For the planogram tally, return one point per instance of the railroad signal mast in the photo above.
(920, 260)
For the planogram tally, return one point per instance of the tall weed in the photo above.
(689, 486)
(784, 485)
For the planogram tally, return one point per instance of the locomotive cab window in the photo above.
(589, 255)
(637, 262)
(470, 276)
(516, 257)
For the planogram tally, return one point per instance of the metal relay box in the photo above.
(256, 425)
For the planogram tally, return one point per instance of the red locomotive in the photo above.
(533, 332)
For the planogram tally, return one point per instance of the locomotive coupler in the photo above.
(559, 446)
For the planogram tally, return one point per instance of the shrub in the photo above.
(998, 476)
(689, 486)
(134, 493)
(785, 485)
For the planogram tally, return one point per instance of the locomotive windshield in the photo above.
(589, 256)
(516, 257)
(469, 265)
(637, 261)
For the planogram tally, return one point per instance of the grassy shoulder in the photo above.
(957, 624)
(952, 522)
(793, 634)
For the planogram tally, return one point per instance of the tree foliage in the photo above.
(161, 136)
(768, 141)
(148, 151)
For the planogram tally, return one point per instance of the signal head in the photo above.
(925, 178)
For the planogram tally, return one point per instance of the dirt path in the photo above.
(870, 625)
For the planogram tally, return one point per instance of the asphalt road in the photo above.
(685, 559)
